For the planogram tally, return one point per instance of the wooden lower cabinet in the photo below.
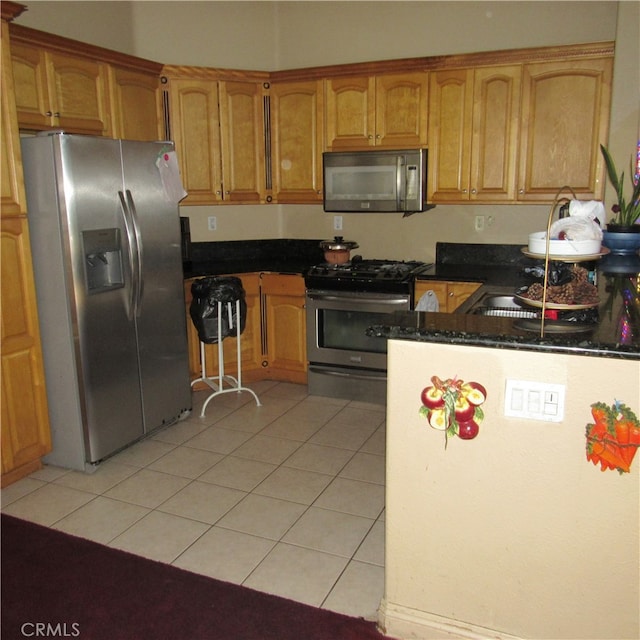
(284, 327)
(450, 294)
(25, 421)
(273, 343)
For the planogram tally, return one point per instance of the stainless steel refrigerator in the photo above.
(105, 236)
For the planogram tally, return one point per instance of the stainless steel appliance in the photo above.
(342, 301)
(105, 235)
(375, 181)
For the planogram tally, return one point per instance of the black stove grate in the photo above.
(384, 276)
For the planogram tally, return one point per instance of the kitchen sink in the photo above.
(499, 304)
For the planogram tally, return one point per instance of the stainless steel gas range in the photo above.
(342, 302)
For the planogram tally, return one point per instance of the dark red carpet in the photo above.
(85, 590)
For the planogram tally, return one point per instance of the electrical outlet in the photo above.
(213, 223)
(479, 223)
(337, 223)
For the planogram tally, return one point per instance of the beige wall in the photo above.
(277, 35)
(274, 35)
(514, 531)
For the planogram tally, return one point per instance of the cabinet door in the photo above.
(79, 94)
(450, 134)
(251, 337)
(565, 110)
(242, 141)
(195, 129)
(56, 90)
(350, 113)
(136, 105)
(283, 298)
(401, 110)
(458, 292)
(31, 88)
(297, 133)
(494, 147)
(13, 200)
(431, 287)
(25, 421)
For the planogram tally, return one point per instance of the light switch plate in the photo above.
(534, 400)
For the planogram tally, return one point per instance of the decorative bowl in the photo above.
(538, 244)
(621, 243)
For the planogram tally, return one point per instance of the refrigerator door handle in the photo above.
(139, 250)
(133, 260)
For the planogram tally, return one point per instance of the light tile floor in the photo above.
(286, 498)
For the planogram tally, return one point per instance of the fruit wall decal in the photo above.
(614, 438)
(453, 406)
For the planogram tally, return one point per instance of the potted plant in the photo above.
(626, 218)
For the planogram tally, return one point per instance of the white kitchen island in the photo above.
(513, 534)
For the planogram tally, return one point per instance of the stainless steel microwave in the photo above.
(375, 181)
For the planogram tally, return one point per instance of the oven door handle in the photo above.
(369, 375)
(376, 300)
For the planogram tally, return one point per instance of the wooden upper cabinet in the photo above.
(297, 135)
(195, 129)
(55, 90)
(473, 133)
(565, 117)
(242, 127)
(350, 113)
(136, 105)
(402, 110)
(387, 111)
(450, 118)
(13, 201)
(494, 144)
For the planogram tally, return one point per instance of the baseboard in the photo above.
(405, 623)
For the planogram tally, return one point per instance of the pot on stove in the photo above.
(338, 250)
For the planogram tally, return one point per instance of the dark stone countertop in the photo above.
(615, 334)
(249, 256)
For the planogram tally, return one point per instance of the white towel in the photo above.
(428, 302)
(583, 223)
(591, 208)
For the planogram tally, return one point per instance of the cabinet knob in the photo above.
(520, 190)
(451, 294)
(464, 191)
(265, 363)
(57, 114)
(370, 136)
(218, 192)
(48, 113)
(269, 199)
(473, 191)
(378, 136)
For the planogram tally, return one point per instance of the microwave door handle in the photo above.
(400, 183)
